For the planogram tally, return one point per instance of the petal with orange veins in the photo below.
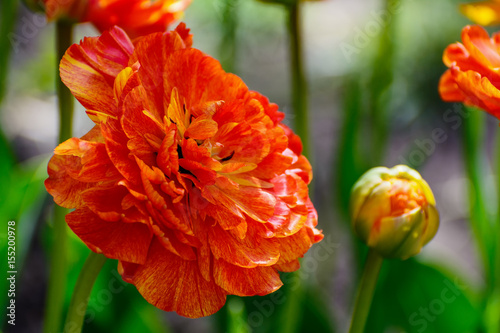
(302, 168)
(108, 204)
(205, 258)
(201, 128)
(287, 267)
(271, 109)
(229, 168)
(89, 69)
(168, 158)
(249, 252)
(271, 166)
(242, 143)
(246, 180)
(184, 34)
(116, 240)
(294, 246)
(192, 152)
(226, 218)
(92, 163)
(116, 146)
(173, 284)
(67, 191)
(208, 81)
(198, 173)
(170, 242)
(287, 221)
(153, 53)
(125, 81)
(246, 281)
(294, 141)
(254, 202)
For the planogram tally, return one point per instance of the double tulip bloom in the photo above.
(136, 17)
(393, 211)
(188, 178)
(473, 77)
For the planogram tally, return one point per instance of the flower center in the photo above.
(405, 195)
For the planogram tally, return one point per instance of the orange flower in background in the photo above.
(482, 12)
(188, 178)
(65, 9)
(473, 77)
(136, 17)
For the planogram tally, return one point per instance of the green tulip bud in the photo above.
(394, 211)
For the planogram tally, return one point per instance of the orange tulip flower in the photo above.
(473, 77)
(136, 17)
(482, 12)
(188, 178)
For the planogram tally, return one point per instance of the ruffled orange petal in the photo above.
(117, 240)
(248, 252)
(448, 88)
(65, 189)
(477, 90)
(114, 203)
(246, 281)
(254, 202)
(89, 69)
(173, 284)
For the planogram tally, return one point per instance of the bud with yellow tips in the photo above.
(394, 211)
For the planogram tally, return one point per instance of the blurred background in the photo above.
(373, 75)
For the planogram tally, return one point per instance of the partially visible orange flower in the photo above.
(188, 178)
(65, 9)
(473, 77)
(482, 12)
(136, 17)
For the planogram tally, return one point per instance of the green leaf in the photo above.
(23, 202)
(417, 298)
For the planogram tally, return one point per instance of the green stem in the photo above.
(64, 32)
(495, 296)
(81, 293)
(237, 317)
(58, 274)
(365, 293)
(299, 84)
(474, 134)
(227, 46)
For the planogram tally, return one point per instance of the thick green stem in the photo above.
(57, 279)
(81, 293)
(299, 84)
(365, 293)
